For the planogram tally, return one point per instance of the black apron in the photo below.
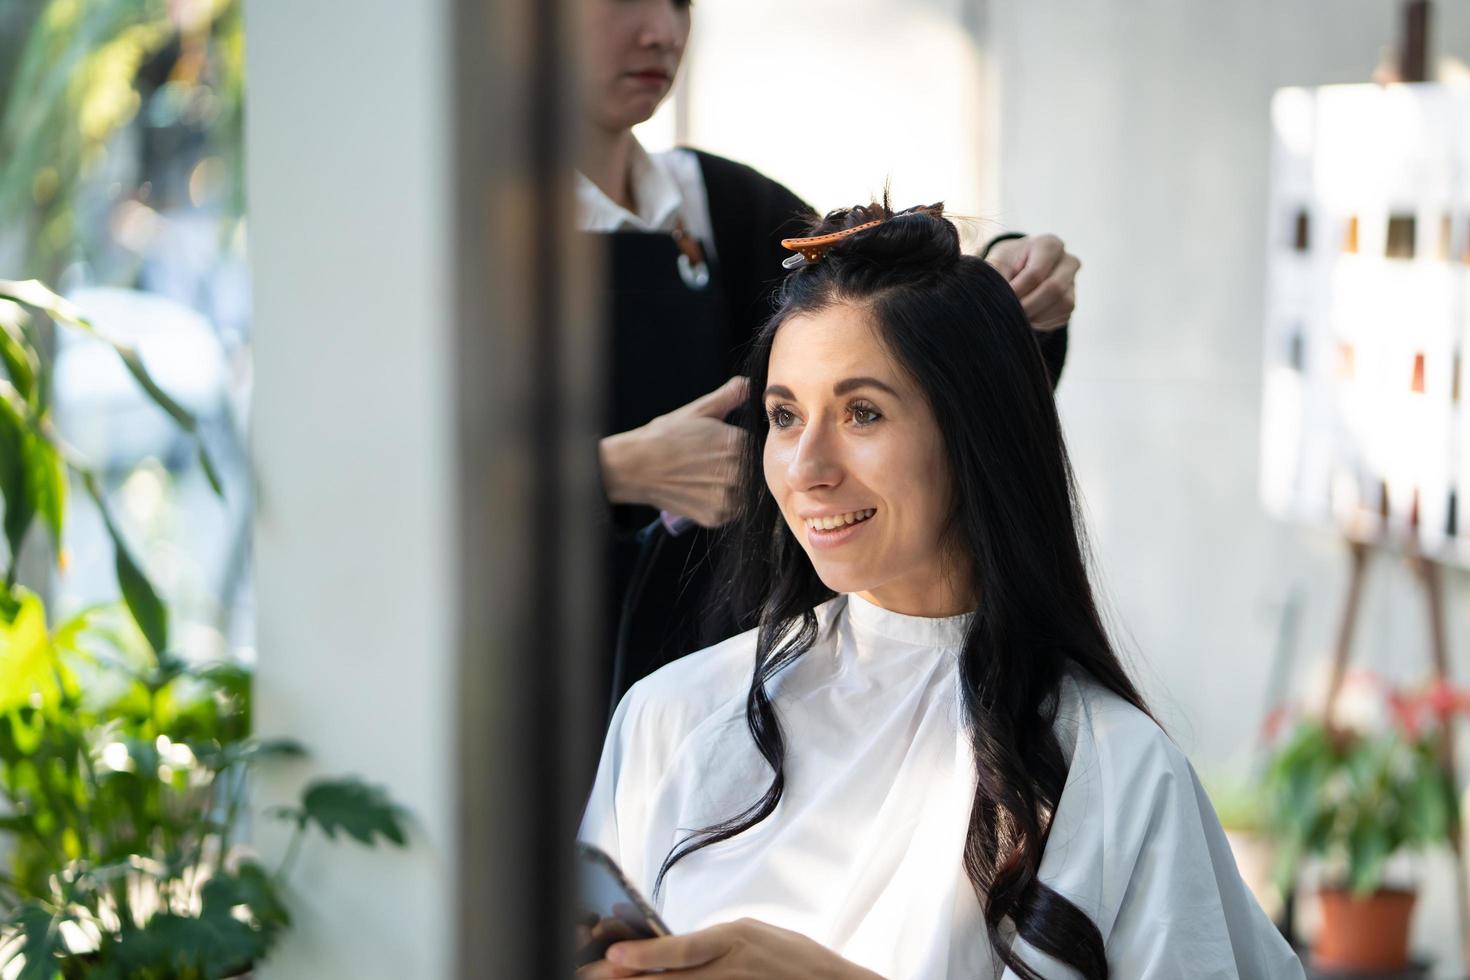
(671, 343)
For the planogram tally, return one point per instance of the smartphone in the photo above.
(609, 909)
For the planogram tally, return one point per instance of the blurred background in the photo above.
(155, 156)
(122, 186)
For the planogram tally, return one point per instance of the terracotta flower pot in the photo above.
(1370, 933)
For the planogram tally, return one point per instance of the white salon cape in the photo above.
(863, 853)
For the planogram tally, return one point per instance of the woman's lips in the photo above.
(836, 537)
(651, 78)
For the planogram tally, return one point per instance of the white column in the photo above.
(349, 173)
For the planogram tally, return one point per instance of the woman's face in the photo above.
(630, 53)
(856, 462)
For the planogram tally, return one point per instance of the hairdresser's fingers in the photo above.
(1007, 257)
(722, 401)
(729, 504)
(707, 513)
(1041, 254)
(1057, 315)
(706, 492)
(680, 462)
(1050, 304)
(711, 510)
(725, 446)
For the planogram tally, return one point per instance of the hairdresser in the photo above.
(695, 251)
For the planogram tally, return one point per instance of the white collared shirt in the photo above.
(667, 186)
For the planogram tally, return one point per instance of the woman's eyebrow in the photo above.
(852, 384)
(840, 388)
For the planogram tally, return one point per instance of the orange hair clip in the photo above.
(811, 249)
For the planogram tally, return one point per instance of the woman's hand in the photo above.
(685, 462)
(742, 950)
(1043, 274)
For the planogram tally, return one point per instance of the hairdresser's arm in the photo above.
(729, 951)
(684, 462)
(1043, 274)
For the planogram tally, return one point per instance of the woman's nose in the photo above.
(660, 26)
(815, 463)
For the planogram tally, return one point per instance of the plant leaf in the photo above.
(290, 814)
(250, 885)
(1368, 849)
(20, 361)
(42, 944)
(15, 486)
(27, 660)
(181, 415)
(248, 751)
(210, 473)
(33, 293)
(231, 678)
(354, 807)
(47, 483)
(212, 945)
(1428, 807)
(142, 600)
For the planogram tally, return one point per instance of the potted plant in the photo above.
(123, 768)
(1354, 796)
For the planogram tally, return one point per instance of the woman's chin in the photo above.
(639, 109)
(621, 114)
(843, 579)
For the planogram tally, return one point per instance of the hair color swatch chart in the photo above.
(1367, 314)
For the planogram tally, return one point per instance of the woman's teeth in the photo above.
(838, 520)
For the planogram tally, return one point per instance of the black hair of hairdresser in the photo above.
(953, 323)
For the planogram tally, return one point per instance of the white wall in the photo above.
(844, 95)
(1138, 129)
(349, 178)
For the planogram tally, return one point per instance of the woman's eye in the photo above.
(780, 417)
(865, 414)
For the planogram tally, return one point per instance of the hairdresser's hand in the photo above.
(1043, 274)
(742, 950)
(685, 462)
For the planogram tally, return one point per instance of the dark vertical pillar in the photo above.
(526, 346)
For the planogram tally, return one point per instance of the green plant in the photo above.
(1357, 797)
(122, 767)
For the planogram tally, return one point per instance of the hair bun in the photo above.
(903, 243)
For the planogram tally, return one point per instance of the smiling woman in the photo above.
(923, 759)
(851, 434)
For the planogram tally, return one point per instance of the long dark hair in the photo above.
(953, 323)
